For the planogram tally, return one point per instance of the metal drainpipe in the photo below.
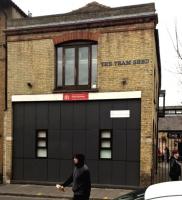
(5, 91)
(5, 46)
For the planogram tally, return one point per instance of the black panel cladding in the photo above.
(74, 127)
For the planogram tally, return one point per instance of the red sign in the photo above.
(75, 96)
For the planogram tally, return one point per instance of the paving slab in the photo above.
(51, 191)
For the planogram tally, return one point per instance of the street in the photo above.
(25, 198)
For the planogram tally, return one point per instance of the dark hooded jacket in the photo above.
(80, 178)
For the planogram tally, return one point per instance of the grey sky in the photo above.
(168, 11)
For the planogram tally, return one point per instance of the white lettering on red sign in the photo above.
(75, 96)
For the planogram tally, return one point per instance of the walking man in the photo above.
(80, 179)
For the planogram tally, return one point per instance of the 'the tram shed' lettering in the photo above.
(106, 64)
(124, 62)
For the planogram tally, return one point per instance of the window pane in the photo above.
(83, 66)
(105, 154)
(70, 66)
(41, 134)
(106, 134)
(94, 66)
(42, 153)
(59, 66)
(41, 143)
(105, 144)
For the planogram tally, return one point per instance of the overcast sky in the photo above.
(169, 13)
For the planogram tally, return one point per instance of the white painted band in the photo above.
(37, 97)
(91, 96)
(115, 95)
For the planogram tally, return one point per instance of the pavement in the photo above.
(43, 191)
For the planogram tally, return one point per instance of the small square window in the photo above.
(105, 154)
(41, 143)
(106, 144)
(41, 153)
(41, 134)
(105, 134)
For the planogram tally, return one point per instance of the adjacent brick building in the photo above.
(8, 10)
(85, 81)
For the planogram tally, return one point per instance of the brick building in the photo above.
(85, 81)
(8, 10)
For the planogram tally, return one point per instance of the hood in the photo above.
(81, 160)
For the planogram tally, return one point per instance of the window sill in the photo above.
(57, 90)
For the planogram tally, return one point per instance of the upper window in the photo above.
(77, 65)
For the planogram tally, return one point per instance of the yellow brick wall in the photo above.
(33, 61)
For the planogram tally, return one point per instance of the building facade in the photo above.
(85, 81)
(8, 10)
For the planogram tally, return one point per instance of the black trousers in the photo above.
(81, 197)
